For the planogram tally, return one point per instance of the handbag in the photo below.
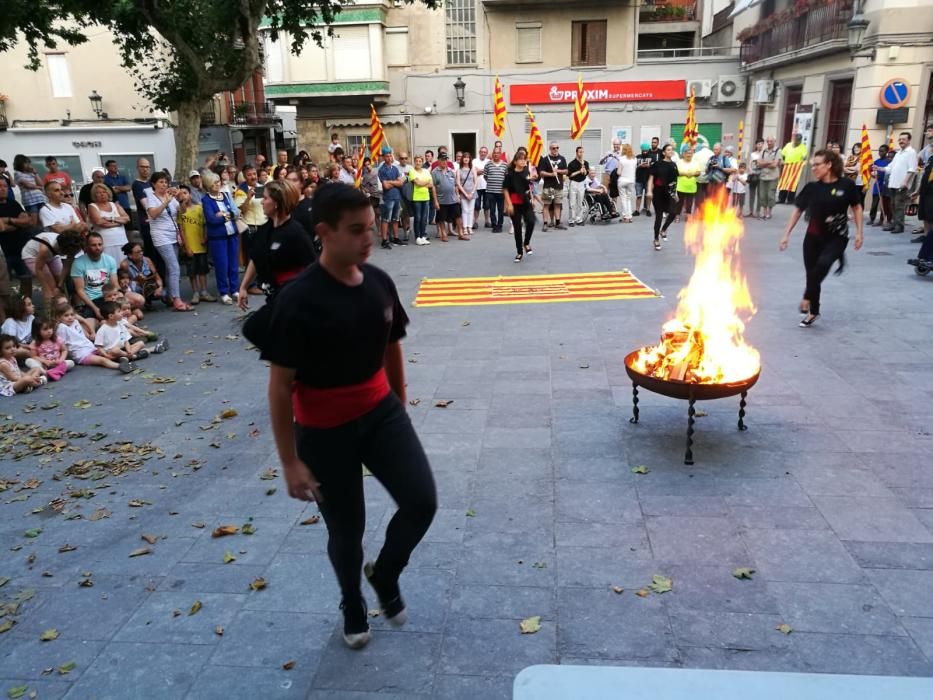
(241, 226)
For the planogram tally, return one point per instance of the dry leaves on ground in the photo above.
(258, 584)
(49, 635)
(313, 520)
(195, 608)
(142, 551)
(743, 573)
(784, 629)
(640, 469)
(288, 665)
(443, 403)
(530, 625)
(661, 584)
(225, 530)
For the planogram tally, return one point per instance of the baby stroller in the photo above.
(599, 208)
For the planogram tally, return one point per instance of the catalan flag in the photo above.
(498, 110)
(377, 137)
(535, 142)
(358, 179)
(865, 159)
(581, 113)
(790, 176)
(741, 144)
(690, 126)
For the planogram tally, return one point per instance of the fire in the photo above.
(704, 343)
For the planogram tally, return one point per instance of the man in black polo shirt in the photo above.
(646, 160)
(337, 401)
(577, 170)
(551, 169)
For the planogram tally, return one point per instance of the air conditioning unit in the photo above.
(764, 92)
(702, 88)
(730, 89)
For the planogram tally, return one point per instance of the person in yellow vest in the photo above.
(793, 159)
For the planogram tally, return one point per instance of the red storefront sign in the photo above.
(616, 91)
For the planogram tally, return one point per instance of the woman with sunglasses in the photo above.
(827, 201)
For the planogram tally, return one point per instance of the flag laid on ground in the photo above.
(535, 142)
(790, 176)
(690, 126)
(498, 110)
(377, 137)
(865, 159)
(532, 289)
(358, 179)
(581, 113)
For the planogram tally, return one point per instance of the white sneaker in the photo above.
(419, 241)
(427, 241)
(226, 299)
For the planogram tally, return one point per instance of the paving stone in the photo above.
(728, 630)
(493, 558)
(714, 588)
(298, 583)
(921, 631)
(517, 437)
(779, 660)
(778, 518)
(224, 682)
(630, 540)
(496, 647)
(835, 608)
(155, 622)
(907, 592)
(701, 540)
(452, 687)
(892, 555)
(861, 655)
(514, 465)
(839, 475)
(256, 638)
(801, 555)
(501, 602)
(872, 519)
(47, 690)
(589, 501)
(682, 506)
(28, 658)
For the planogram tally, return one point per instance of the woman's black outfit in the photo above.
(335, 337)
(279, 254)
(517, 187)
(664, 176)
(827, 205)
(925, 211)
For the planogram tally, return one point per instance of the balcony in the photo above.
(252, 113)
(209, 114)
(807, 28)
(668, 11)
(3, 121)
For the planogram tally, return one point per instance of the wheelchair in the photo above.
(599, 210)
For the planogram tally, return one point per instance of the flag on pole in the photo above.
(738, 148)
(581, 113)
(690, 126)
(377, 138)
(790, 176)
(535, 142)
(865, 159)
(358, 179)
(498, 110)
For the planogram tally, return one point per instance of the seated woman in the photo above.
(144, 278)
(597, 190)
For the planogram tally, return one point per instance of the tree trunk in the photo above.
(186, 138)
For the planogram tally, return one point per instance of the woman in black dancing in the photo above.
(517, 190)
(662, 182)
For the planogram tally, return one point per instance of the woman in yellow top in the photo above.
(688, 171)
(421, 196)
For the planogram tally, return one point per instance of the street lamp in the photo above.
(856, 28)
(96, 101)
(460, 88)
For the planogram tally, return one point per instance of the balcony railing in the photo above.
(209, 114)
(804, 25)
(668, 11)
(687, 53)
(252, 113)
(3, 122)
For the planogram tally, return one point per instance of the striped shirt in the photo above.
(30, 196)
(495, 176)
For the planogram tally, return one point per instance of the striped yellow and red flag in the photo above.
(790, 176)
(741, 143)
(358, 179)
(377, 137)
(581, 113)
(865, 159)
(535, 142)
(498, 110)
(690, 126)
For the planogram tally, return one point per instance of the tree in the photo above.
(182, 52)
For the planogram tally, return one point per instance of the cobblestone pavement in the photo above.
(828, 496)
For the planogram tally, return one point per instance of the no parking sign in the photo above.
(895, 93)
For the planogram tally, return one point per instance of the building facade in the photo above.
(637, 60)
(803, 56)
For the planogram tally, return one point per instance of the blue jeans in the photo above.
(496, 208)
(390, 209)
(169, 256)
(420, 220)
(225, 253)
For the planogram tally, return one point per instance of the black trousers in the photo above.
(684, 204)
(385, 441)
(819, 254)
(662, 207)
(522, 214)
(149, 249)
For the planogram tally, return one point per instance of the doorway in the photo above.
(463, 141)
(840, 104)
(792, 97)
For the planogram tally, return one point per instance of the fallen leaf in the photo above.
(269, 474)
(99, 514)
(17, 691)
(248, 529)
(640, 469)
(4, 580)
(176, 613)
(138, 503)
(219, 631)
(49, 406)
(228, 557)
(530, 625)
(195, 607)
(48, 635)
(288, 665)
(617, 589)
(33, 532)
(700, 414)
(661, 584)
(443, 403)
(140, 552)
(151, 539)
(743, 573)
(66, 548)
(414, 402)
(30, 484)
(228, 413)
(375, 612)
(784, 629)
(642, 592)
(270, 492)
(198, 525)
(258, 584)
(6, 625)
(313, 520)
(83, 403)
(66, 668)
(86, 583)
(471, 513)
(539, 565)
(584, 365)
(225, 530)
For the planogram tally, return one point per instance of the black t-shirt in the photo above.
(664, 173)
(550, 165)
(331, 334)
(14, 238)
(643, 165)
(517, 182)
(302, 214)
(577, 171)
(277, 250)
(827, 204)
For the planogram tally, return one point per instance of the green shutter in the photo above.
(712, 132)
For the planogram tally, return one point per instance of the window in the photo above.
(272, 59)
(397, 46)
(354, 141)
(351, 53)
(59, 78)
(126, 162)
(528, 42)
(69, 164)
(460, 23)
(710, 133)
(588, 43)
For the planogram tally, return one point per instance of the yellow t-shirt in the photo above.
(794, 154)
(253, 214)
(420, 193)
(192, 228)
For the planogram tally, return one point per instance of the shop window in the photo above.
(127, 162)
(69, 164)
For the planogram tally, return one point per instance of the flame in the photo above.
(704, 343)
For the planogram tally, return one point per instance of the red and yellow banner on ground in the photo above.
(532, 289)
(790, 176)
(581, 113)
(377, 137)
(498, 110)
(535, 142)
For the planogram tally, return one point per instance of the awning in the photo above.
(343, 123)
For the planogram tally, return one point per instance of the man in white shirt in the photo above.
(479, 165)
(57, 215)
(347, 172)
(610, 163)
(900, 171)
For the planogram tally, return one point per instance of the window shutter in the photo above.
(397, 46)
(351, 53)
(596, 43)
(59, 77)
(528, 42)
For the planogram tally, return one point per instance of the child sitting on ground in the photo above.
(114, 341)
(126, 321)
(112, 293)
(80, 349)
(57, 308)
(49, 350)
(18, 324)
(12, 379)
